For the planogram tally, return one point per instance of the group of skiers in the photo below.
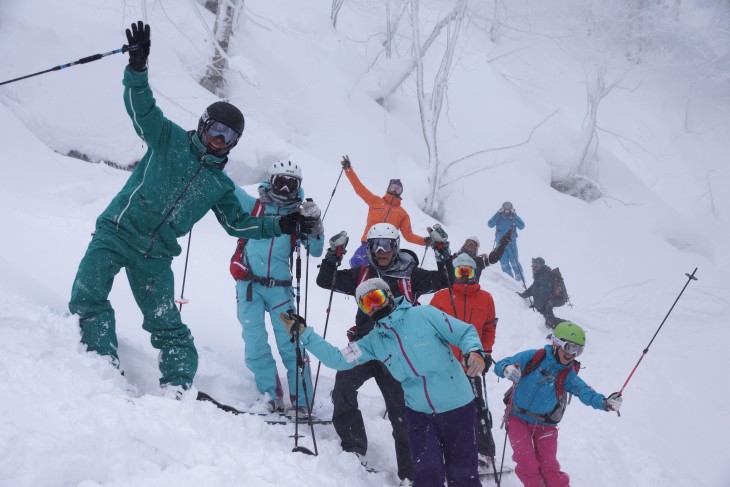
(429, 361)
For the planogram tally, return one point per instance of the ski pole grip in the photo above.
(88, 59)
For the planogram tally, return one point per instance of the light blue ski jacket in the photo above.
(270, 258)
(505, 223)
(413, 342)
(535, 392)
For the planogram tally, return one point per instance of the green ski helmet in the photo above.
(570, 332)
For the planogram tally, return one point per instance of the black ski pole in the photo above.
(88, 59)
(497, 478)
(333, 193)
(181, 300)
(327, 319)
(690, 278)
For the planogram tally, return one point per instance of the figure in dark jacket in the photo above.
(400, 270)
(177, 182)
(541, 291)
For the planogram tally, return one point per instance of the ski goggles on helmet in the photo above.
(464, 272)
(568, 347)
(372, 301)
(282, 183)
(219, 129)
(395, 187)
(382, 245)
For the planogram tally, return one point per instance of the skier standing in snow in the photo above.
(538, 401)
(413, 343)
(471, 247)
(471, 304)
(541, 290)
(506, 220)
(176, 183)
(264, 283)
(386, 209)
(400, 270)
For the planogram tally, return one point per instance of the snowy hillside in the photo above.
(306, 89)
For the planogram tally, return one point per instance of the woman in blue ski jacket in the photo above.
(506, 220)
(264, 283)
(543, 378)
(414, 343)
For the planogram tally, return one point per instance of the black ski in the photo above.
(202, 396)
(271, 418)
(287, 420)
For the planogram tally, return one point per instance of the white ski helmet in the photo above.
(382, 231)
(287, 168)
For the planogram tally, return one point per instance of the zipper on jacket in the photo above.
(172, 208)
(413, 369)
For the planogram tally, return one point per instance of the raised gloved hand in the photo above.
(346, 162)
(295, 223)
(613, 402)
(439, 243)
(309, 209)
(437, 234)
(512, 373)
(474, 364)
(292, 322)
(139, 45)
(338, 243)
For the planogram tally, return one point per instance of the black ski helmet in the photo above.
(225, 113)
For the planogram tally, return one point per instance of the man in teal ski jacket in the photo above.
(179, 179)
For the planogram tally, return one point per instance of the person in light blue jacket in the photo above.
(264, 283)
(414, 343)
(543, 378)
(506, 220)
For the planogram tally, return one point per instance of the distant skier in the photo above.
(542, 379)
(413, 343)
(264, 283)
(471, 247)
(176, 183)
(385, 209)
(471, 304)
(541, 291)
(506, 220)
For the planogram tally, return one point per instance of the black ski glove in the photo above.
(294, 221)
(139, 45)
(346, 162)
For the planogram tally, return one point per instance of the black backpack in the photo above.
(558, 293)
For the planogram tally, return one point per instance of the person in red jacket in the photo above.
(381, 209)
(468, 302)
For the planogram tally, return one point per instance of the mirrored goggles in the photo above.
(464, 272)
(382, 245)
(372, 301)
(219, 129)
(569, 347)
(284, 183)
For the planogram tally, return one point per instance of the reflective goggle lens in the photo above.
(464, 272)
(381, 245)
(569, 347)
(285, 183)
(372, 300)
(219, 129)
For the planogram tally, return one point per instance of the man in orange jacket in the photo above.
(468, 302)
(386, 209)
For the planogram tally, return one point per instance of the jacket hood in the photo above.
(401, 306)
(466, 289)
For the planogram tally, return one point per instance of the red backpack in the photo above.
(239, 270)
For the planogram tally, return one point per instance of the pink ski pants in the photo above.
(534, 449)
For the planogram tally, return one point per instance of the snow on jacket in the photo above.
(535, 392)
(413, 342)
(383, 210)
(402, 274)
(474, 306)
(174, 185)
(270, 258)
(541, 288)
(504, 223)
